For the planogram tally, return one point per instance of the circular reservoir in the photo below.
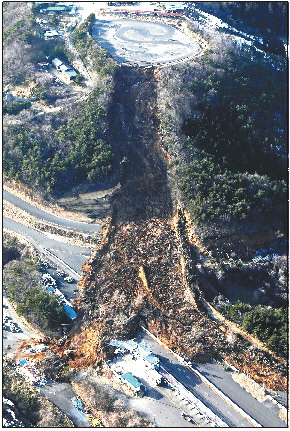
(143, 43)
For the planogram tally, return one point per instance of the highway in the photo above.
(213, 401)
(265, 413)
(77, 226)
(73, 255)
(160, 410)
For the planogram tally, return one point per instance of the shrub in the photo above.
(22, 283)
(14, 108)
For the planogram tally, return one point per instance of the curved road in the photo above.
(77, 226)
(72, 255)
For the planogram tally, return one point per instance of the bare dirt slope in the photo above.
(144, 270)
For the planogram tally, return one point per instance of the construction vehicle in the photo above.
(96, 422)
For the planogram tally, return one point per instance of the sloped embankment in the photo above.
(144, 269)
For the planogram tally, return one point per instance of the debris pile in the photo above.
(145, 269)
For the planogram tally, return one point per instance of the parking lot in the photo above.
(66, 284)
(141, 370)
(143, 43)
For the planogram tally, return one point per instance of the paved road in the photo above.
(73, 255)
(49, 217)
(68, 289)
(160, 410)
(265, 413)
(60, 394)
(195, 385)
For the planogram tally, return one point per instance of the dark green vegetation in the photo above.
(267, 19)
(11, 249)
(29, 407)
(77, 153)
(14, 108)
(266, 323)
(21, 280)
(92, 55)
(53, 153)
(237, 146)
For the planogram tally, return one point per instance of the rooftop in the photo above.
(132, 380)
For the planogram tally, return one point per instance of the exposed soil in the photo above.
(144, 270)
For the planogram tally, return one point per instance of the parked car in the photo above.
(69, 279)
(13, 328)
(43, 263)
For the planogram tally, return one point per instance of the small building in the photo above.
(69, 75)
(134, 384)
(56, 63)
(63, 67)
(57, 9)
(51, 34)
(151, 361)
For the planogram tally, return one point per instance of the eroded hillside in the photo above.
(144, 271)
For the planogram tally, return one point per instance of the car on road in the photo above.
(48, 280)
(43, 263)
(186, 417)
(78, 404)
(69, 279)
(60, 273)
(13, 327)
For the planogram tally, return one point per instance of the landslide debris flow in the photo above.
(144, 271)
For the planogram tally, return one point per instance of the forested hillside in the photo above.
(226, 130)
(54, 138)
(196, 155)
(237, 139)
(77, 153)
(266, 19)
